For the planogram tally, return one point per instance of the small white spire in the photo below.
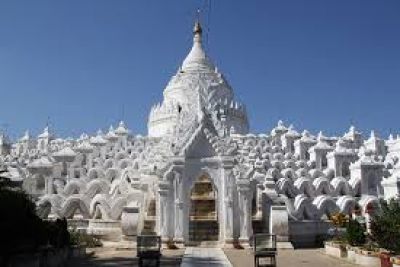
(320, 136)
(352, 129)
(373, 135)
(197, 56)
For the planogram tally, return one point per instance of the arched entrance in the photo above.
(203, 216)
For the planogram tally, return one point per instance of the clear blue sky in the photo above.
(317, 64)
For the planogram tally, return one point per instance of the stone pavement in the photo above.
(209, 257)
(199, 256)
(107, 257)
(289, 258)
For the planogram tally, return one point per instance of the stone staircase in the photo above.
(203, 225)
(203, 230)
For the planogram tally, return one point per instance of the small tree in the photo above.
(339, 221)
(355, 233)
(385, 226)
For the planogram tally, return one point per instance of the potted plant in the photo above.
(337, 245)
(385, 230)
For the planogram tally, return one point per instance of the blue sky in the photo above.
(88, 63)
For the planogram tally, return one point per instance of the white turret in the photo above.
(44, 140)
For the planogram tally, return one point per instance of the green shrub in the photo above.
(83, 239)
(355, 233)
(385, 226)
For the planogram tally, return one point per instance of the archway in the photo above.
(203, 216)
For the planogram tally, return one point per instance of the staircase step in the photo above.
(200, 231)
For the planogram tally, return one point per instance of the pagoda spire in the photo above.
(197, 31)
(197, 59)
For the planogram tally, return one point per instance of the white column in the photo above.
(244, 192)
(178, 208)
(49, 184)
(88, 156)
(226, 198)
(46, 184)
(103, 150)
(163, 191)
(49, 177)
(260, 189)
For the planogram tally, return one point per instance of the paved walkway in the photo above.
(289, 258)
(123, 258)
(210, 257)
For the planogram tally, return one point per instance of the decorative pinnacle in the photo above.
(197, 28)
(197, 31)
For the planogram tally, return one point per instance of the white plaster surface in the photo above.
(211, 257)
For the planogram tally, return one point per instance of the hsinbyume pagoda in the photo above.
(199, 175)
